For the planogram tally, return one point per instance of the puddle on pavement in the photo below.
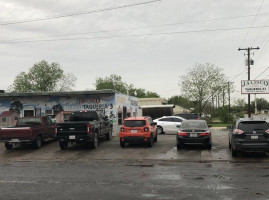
(219, 187)
(168, 177)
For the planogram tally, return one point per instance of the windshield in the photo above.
(252, 126)
(29, 121)
(83, 116)
(195, 125)
(134, 123)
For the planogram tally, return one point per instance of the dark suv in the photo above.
(188, 116)
(249, 135)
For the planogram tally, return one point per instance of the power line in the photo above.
(136, 35)
(262, 73)
(252, 23)
(74, 14)
(141, 27)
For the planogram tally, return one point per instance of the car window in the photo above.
(177, 120)
(198, 124)
(252, 126)
(29, 121)
(167, 119)
(134, 123)
(83, 116)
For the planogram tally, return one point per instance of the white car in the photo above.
(168, 124)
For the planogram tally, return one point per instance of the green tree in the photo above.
(201, 82)
(181, 101)
(43, 77)
(115, 82)
(112, 82)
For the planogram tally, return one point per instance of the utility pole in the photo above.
(248, 50)
(229, 101)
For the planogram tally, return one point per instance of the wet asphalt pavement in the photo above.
(135, 172)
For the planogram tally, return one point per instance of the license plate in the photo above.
(193, 134)
(14, 140)
(133, 131)
(254, 137)
(72, 137)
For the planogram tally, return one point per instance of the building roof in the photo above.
(7, 113)
(67, 93)
(158, 106)
(152, 99)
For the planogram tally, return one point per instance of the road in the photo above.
(135, 172)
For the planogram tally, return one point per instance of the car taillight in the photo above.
(146, 129)
(238, 131)
(182, 133)
(55, 130)
(88, 128)
(267, 131)
(122, 129)
(205, 134)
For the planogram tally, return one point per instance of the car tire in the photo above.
(8, 146)
(38, 142)
(159, 130)
(230, 145)
(179, 146)
(94, 142)
(109, 134)
(63, 145)
(150, 142)
(234, 152)
(122, 144)
(156, 138)
(209, 146)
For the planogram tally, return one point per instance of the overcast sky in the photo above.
(153, 62)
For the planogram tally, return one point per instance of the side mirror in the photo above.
(209, 126)
(229, 127)
(178, 126)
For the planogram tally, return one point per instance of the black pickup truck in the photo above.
(84, 127)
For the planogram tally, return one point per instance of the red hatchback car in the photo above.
(138, 130)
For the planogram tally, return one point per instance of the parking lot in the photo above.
(163, 150)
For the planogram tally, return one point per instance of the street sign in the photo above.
(255, 87)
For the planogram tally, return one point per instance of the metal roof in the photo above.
(67, 93)
(158, 106)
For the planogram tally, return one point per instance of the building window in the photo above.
(28, 113)
(4, 119)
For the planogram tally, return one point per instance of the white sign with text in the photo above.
(255, 87)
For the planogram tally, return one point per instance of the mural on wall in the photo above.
(16, 106)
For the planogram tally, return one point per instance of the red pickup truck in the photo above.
(28, 130)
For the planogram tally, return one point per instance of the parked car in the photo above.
(168, 124)
(188, 116)
(84, 127)
(194, 132)
(249, 135)
(28, 130)
(138, 130)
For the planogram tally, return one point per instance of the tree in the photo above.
(181, 101)
(43, 77)
(201, 82)
(115, 82)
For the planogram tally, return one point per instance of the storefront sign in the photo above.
(255, 87)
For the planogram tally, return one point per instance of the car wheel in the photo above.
(156, 138)
(159, 130)
(109, 134)
(38, 142)
(150, 142)
(63, 145)
(94, 143)
(179, 146)
(234, 152)
(122, 144)
(230, 145)
(209, 146)
(8, 146)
